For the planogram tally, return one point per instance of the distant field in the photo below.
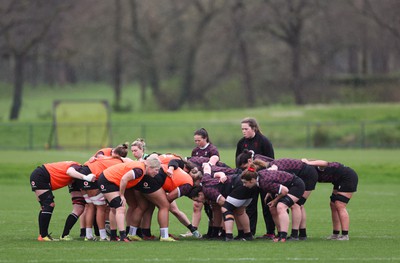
(288, 126)
(37, 107)
(374, 234)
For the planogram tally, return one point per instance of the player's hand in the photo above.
(272, 203)
(273, 168)
(170, 171)
(223, 178)
(267, 196)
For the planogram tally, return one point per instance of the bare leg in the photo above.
(296, 216)
(335, 217)
(174, 209)
(159, 198)
(132, 204)
(342, 212)
(242, 219)
(196, 216)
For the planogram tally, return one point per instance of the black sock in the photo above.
(114, 233)
(191, 228)
(283, 234)
(344, 233)
(295, 233)
(214, 231)
(122, 235)
(139, 232)
(146, 232)
(229, 236)
(240, 233)
(96, 227)
(83, 232)
(210, 231)
(249, 234)
(223, 233)
(44, 222)
(127, 229)
(69, 223)
(303, 232)
(336, 232)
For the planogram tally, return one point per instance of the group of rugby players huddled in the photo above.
(118, 195)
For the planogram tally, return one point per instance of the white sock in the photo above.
(164, 232)
(132, 230)
(89, 233)
(103, 233)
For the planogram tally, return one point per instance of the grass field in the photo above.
(374, 232)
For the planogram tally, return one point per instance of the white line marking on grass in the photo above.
(203, 259)
(303, 259)
(365, 259)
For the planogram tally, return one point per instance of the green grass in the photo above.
(37, 107)
(374, 233)
(287, 126)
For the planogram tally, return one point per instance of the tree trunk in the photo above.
(18, 86)
(352, 60)
(247, 82)
(296, 83)
(117, 56)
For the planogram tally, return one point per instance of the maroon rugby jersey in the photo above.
(212, 187)
(331, 173)
(270, 181)
(289, 165)
(209, 151)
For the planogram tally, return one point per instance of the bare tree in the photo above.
(238, 16)
(385, 16)
(285, 21)
(206, 13)
(143, 48)
(117, 72)
(24, 24)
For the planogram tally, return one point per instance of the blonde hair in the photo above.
(140, 143)
(153, 161)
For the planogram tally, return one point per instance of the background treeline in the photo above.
(198, 54)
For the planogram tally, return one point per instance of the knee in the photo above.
(281, 208)
(197, 206)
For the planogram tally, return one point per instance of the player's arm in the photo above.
(77, 175)
(315, 162)
(283, 190)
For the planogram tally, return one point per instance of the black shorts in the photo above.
(74, 186)
(309, 175)
(297, 187)
(348, 182)
(106, 186)
(85, 185)
(149, 184)
(40, 179)
(239, 197)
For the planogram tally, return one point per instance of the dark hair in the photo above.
(194, 192)
(252, 123)
(191, 165)
(244, 157)
(122, 149)
(249, 173)
(203, 133)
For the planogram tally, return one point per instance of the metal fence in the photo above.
(164, 135)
